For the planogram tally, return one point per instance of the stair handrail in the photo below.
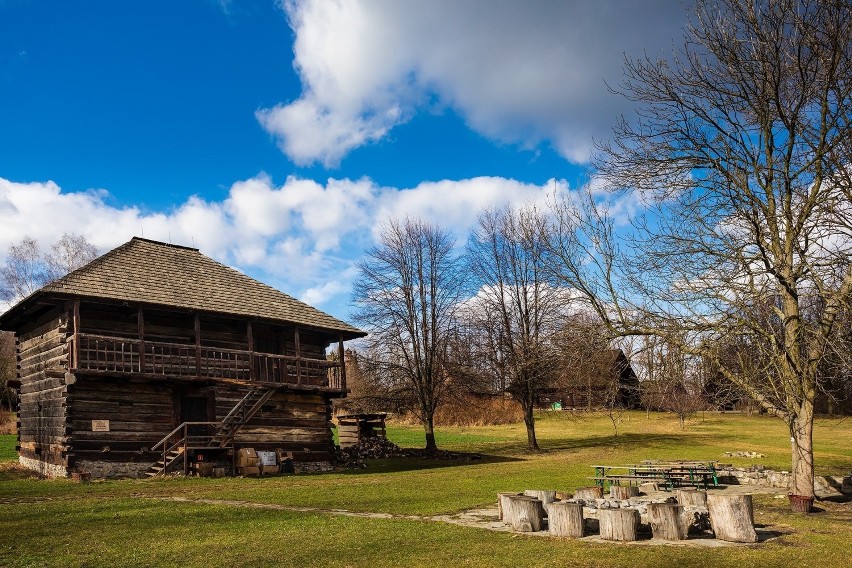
(265, 394)
(181, 441)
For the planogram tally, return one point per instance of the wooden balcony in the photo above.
(102, 354)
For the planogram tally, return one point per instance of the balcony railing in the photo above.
(103, 353)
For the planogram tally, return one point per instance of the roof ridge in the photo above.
(161, 243)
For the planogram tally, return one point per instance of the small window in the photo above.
(268, 408)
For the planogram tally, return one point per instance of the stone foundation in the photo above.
(42, 468)
(106, 469)
(313, 467)
(824, 485)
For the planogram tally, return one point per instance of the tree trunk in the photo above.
(565, 519)
(529, 421)
(524, 514)
(801, 439)
(618, 524)
(665, 519)
(732, 517)
(428, 426)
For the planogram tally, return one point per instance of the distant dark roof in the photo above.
(151, 272)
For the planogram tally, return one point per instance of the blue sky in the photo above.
(277, 137)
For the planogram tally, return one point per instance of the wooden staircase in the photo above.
(243, 411)
(163, 464)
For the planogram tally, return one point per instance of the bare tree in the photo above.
(742, 156)
(517, 311)
(68, 254)
(27, 268)
(406, 296)
(24, 272)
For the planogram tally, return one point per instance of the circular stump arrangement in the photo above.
(732, 517)
(618, 524)
(665, 520)
(565, 519)
(523, 513)
(546, 496)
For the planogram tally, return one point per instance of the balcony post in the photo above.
(298, 356)
(140, 320)
(342, 360)
(197, 346)
(250, 338)
(75, 348)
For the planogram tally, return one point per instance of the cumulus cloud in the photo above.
(301, 236)
(517, 72)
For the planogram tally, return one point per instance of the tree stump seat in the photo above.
(732, 517)
(523, 513)
(566, 519)
(618, 524)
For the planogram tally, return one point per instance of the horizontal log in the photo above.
(299, 440)
(105, 438)
(40, 356)
(42, 343)
(44, 440)
(45, 384)
(128, 406)
(58, 324)
(127, 424)
(32, 412)
(59, 361)
(49, 394)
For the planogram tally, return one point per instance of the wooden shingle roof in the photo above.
(150, 272)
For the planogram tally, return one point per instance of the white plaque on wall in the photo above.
(100, 425)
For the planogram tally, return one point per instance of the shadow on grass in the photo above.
(419, 463)
(627, 441)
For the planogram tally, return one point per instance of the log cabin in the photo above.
(154, 357)
(605, 379)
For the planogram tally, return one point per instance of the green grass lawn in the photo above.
(117, 523)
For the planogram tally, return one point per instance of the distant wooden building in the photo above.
(154, 356)
(604, 379)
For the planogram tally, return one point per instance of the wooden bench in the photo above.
(671, 474)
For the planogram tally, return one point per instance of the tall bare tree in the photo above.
(516, 310)
(406, 297)
(742, 154)
(28, 268)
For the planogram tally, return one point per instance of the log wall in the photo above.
(43, 425)
(295, 422)
(140, 414)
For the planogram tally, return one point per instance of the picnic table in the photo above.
(671, 473)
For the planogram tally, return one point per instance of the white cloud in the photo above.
(300, 236)
(517, 72)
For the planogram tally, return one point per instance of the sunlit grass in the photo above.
(60, 523)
